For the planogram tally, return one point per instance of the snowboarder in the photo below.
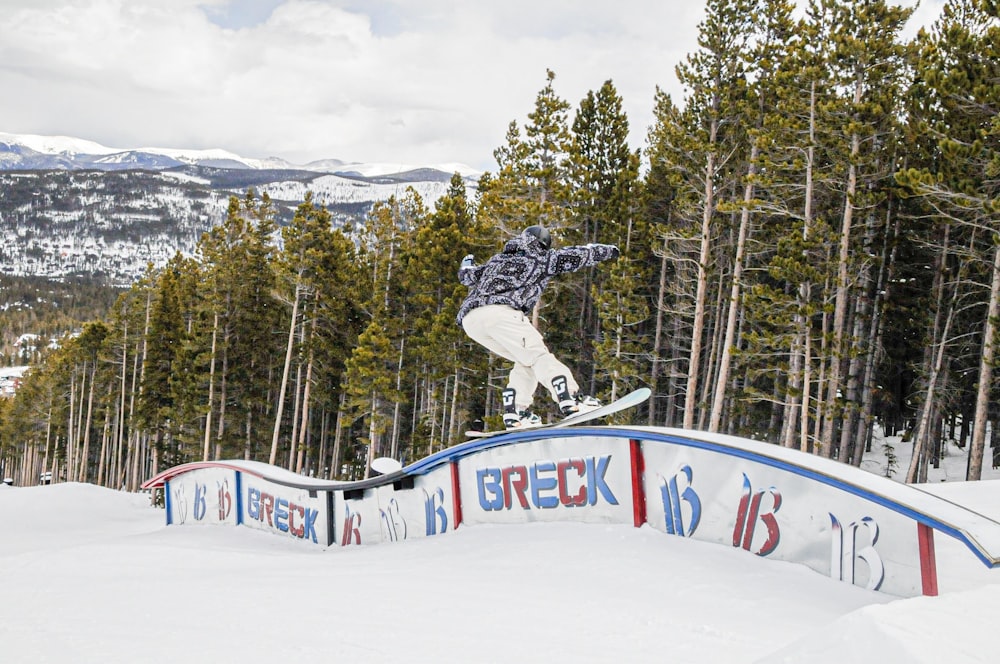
(502, 292)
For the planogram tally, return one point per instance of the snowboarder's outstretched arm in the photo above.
(571, 259)
(468, 271)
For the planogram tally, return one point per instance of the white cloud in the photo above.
(416, 81)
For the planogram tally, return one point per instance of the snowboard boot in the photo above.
(524, 419)
(512, 417)
(582, 403)
(572, 404)
(507, 396)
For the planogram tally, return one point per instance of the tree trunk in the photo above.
(799, 370)
(48, 443)
(709, 371)
(694, 360)
(394, 446)
(85, 456)
(337, 435)
(118, 463)
(304, 428)
(284, 378)
(816, 444)
(876, 329)
(831, 409)
(105, 437)
(734, 296)
(921, 433)
(978, 445)
(454, 410)
(937, 295)
(851, 398)
(296, 405)
(70, 441)
(658, 335)
(220, 428)
(372, 435)
(323, 470)
(211, 390)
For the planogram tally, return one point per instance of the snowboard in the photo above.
(628, 401)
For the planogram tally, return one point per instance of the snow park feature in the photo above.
(772, 502)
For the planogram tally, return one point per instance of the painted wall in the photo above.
(776, 513)
(389, 514)
(769, 501)
(299, 513)
(202, 495)
(586, 479)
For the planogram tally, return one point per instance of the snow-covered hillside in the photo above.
(114, 223)
(334, 189)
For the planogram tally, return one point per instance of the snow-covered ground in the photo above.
(93, 575)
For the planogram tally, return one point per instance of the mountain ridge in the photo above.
(80, 209)
(40, 152)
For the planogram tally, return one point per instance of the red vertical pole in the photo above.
(638, 491)
(456, 493)
(928, 565)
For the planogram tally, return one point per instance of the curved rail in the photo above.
(742, 483)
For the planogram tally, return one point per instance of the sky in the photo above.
(408, 81)
(92, 575)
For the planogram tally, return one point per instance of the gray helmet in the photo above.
(542, 234)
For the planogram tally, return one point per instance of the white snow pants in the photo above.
(510, 334)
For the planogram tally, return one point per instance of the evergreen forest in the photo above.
(810, 247)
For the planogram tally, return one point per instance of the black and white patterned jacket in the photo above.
(518, 274)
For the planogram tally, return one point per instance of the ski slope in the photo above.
(93, 575)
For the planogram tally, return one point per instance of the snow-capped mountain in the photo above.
(70, 206)
(34, 152)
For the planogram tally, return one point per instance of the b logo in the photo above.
(749, 514)
(393, 525)
(673, 497)
(200, 506)
(225, 500)
(434, 511)
(352, 527)
(180, 506)
(844, 551)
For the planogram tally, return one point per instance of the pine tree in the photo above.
(867, 60)
(241, 316)
(163, 342)
(666, 190)
(953, 111)
(607, 173)
(304, 242)
(338, 322)
(444, 359)
(620, 300)
(373, 377)
(713, 77)
(768, 48)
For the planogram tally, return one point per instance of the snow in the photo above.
(14, 372)
(57, 144)
(88, 574)
(376, 169)
(71, 146)
(328, 189)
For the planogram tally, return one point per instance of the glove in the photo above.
(467, 261)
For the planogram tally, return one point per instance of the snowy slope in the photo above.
(93, 575)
